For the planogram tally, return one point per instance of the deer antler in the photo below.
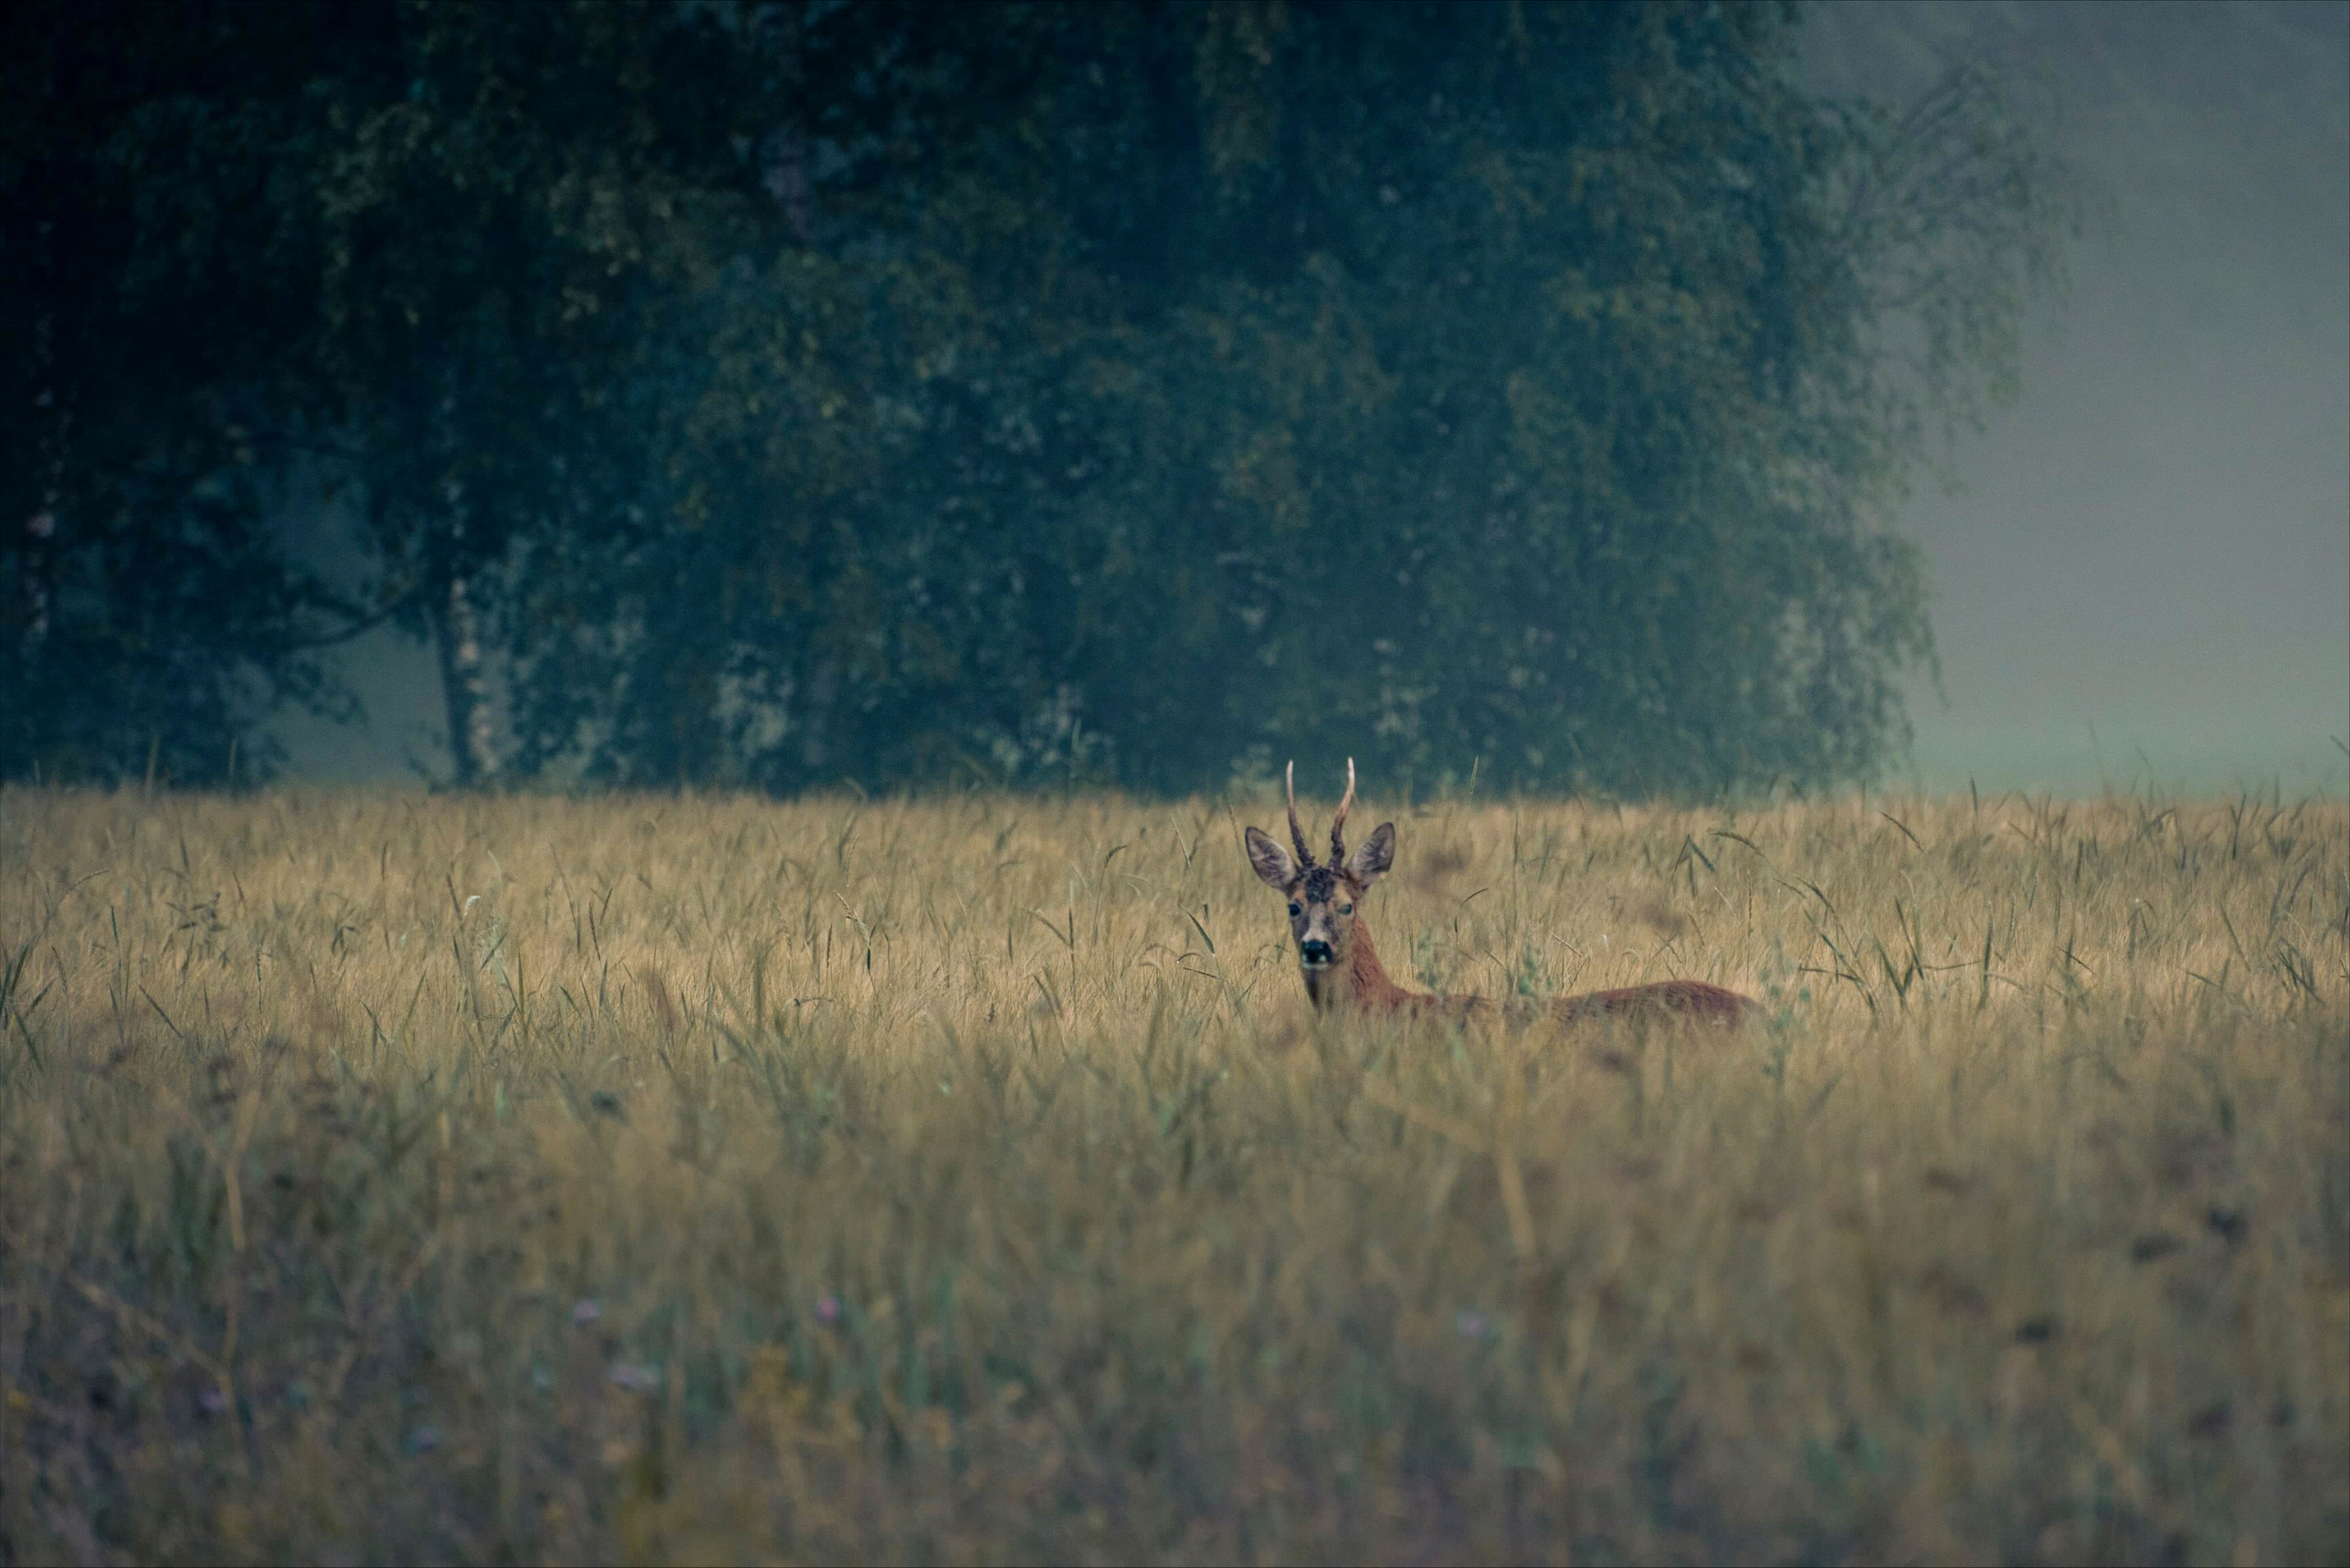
(1338, 823)
(1297, 833)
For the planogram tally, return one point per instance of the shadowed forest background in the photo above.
(781, 396)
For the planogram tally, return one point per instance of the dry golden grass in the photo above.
(655, 1178)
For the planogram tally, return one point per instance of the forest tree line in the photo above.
(770, 395)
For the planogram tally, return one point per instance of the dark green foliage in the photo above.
(144, 258)
(377, 248)
(1126, 394)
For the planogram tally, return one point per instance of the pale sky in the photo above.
(2156, 540)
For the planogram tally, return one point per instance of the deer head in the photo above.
(1323, 898)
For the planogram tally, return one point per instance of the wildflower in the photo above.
(1470, 1324)
(634, 1378)
(586, 1312)
(827, 1309)
(424, 1439)
(211, 1400)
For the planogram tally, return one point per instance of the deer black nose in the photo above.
(1314, 952)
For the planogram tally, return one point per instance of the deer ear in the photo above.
(1372, 856)
(1275, 865)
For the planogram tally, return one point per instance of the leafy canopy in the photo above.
(1113, 392)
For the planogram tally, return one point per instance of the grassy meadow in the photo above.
(390, 1178)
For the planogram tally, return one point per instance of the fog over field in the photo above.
(2155, 541)
(2145, 576)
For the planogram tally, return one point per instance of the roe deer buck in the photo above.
(1342, 969)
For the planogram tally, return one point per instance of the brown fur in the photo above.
(1367, 986)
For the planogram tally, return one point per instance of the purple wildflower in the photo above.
(634, 1378)
(586, 1312)
(1470, 1324)
(827, 1309)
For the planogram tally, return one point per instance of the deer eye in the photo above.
(1295, 910)
(1346, 908)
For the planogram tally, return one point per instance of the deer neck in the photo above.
(1362, 981)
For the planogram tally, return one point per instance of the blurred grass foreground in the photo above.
(674, 1178)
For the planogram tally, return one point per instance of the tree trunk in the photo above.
(465, 685)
